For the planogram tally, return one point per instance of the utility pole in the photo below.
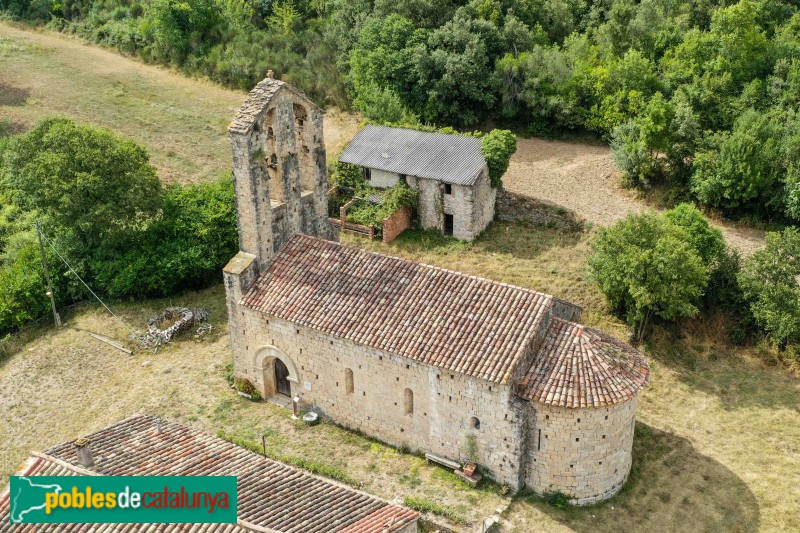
(56, 318)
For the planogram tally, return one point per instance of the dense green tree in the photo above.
(770, 280)
(742, 170)
(88, 181)
(498, 146)
(706, 239)
(455, 70)
(647, 268)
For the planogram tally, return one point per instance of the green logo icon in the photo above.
(123, 499)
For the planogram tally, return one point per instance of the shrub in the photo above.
(770, 281)
(706, 239)
(245, 386)
(646, 267)
(185, 249)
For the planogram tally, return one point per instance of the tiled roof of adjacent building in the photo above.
(438, 317)
(257, 101)
(271, 495)
(583, 367)
(449, 158)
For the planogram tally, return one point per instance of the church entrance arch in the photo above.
(277, 370)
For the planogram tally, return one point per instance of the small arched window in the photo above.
(408, 401)
(348, 381)
(474, 423)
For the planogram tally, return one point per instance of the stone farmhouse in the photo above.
(417, 356)
(456, 196)
(271, 496)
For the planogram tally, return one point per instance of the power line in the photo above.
(81, 280)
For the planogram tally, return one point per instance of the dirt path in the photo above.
(182, 121)
(583, 178)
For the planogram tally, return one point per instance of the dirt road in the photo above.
(583, 178)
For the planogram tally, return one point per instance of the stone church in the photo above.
(414, 355)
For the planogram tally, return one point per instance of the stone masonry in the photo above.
(417, 356)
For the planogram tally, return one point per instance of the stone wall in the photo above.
(396, 223)
(383, 179)
(582, 453)
(472, 206)
(430, 202)
(444, 405)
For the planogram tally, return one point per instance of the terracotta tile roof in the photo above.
(438, 317)
(271, 495)
(583, 367)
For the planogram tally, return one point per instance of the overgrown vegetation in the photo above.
(702, 96)
(368, 213)
(105, 211)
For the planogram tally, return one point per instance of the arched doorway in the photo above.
(282, 378)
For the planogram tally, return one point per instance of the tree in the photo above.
(646, 267)
(770, 281)
(706, 239)
(456, 70)
(743, 169)
(383, 60)
(498, 146)
(90, 182)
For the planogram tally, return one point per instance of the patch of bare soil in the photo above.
(584, 179)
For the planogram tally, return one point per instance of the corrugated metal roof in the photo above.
(448, 158)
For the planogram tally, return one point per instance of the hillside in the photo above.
(181, 121)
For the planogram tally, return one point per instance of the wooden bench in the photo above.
(442, 461)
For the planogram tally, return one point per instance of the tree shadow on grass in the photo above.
(672, 487)
(740, 376)
(13, 96)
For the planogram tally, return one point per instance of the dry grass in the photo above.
(181, 121)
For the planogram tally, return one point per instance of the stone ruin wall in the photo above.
(279, 171)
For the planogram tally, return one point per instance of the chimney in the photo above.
(270, 74)
(158, 424)
(83, 447)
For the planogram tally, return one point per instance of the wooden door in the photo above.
(282, 378)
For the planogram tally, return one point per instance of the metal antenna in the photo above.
(56, 318)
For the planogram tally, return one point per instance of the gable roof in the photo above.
(583, 367)
(448, 158)
(466, 324)
(258, 100)
(271, 495)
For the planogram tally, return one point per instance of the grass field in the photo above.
(717, 443)
(181, 121)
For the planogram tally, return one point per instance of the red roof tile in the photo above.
(271, 495)
(462, 323)
(583, 367)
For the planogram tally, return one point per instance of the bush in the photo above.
(706, 239)
(185, 249)
(770, 282)
(647, 267)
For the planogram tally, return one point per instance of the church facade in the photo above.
(414, 355)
